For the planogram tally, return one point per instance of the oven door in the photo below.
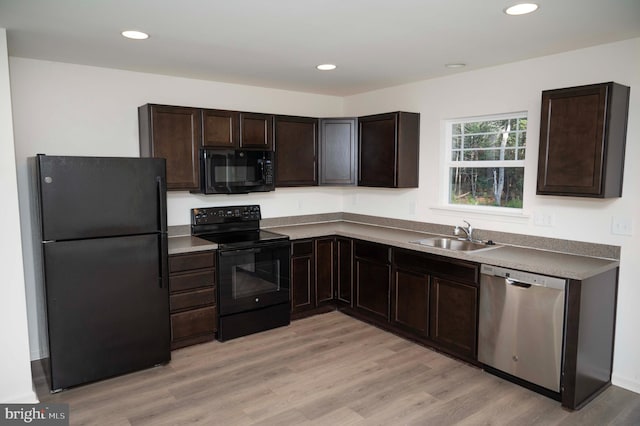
(254, 277)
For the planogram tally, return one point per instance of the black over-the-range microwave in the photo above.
(228, 171)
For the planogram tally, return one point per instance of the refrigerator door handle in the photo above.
(164, 246)
(162, 208)
(164, 262)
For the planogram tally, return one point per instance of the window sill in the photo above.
(482, 212)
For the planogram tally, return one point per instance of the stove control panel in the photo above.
(228, 214)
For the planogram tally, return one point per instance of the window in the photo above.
(485, 160)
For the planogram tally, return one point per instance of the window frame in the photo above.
(448, 163)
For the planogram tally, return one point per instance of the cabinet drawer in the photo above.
(302, 248)
(377, 252)
(193, 323)
(192, 299)
(191, 280)
(185, 262)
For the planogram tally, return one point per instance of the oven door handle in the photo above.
(243, 251)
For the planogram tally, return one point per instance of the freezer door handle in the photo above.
(164, 262)
(162, 208)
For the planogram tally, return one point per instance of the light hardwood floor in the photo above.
(328, 369)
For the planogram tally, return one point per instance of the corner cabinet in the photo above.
(338, 148)
(173, 133)
(192, 298)
(296, 147)
(582, 141)
(389, 150)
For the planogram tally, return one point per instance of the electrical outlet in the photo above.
(621, 225)
(542, 219)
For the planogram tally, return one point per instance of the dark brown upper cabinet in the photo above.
(220, 129)
(582, 140)
(256, 131)
(173, 133)
(389, 147)
(296, 151)
(338, 151)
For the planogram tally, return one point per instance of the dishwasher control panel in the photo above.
(523, 277)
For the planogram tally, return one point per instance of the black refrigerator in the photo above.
(104, 256)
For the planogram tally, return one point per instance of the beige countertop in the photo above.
(527, 259)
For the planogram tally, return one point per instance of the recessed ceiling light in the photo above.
(326, 67)
(521, 9)
(135, 35)
(456, 65)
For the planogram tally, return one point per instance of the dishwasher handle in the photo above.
(517, 283)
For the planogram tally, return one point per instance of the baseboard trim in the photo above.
(623, 382)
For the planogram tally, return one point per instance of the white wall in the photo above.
(15, 370)
(70, 109)
(517, 87)
(64, 109)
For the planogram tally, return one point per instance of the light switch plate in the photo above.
(622, 225)
(542, 219)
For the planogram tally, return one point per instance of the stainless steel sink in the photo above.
(452, 244)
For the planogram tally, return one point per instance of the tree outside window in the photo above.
(486, 160)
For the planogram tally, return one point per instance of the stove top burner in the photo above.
(231, 226)
(243, 238)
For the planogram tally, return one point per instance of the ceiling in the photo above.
(278, 43)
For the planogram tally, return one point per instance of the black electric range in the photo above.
(252, 269)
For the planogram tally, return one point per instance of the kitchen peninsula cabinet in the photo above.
(296, 147)
(372, 278)
(389, 150)
(338, 148)
(582, 141)
(173, 133)
(256, 131)
(220, 129)
(192, 298)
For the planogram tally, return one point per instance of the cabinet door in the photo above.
(377, 150)
(256, 131)
(220, 128)
(410, 301)
(173, 133)
(372, 287)
(302, 276)
(582, 140)
(344, 276)
(296, 151)
(325, 269)
(338, 151)
(454, 316)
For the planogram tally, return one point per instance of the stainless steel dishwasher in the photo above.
(521, 324)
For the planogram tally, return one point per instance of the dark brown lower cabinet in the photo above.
(325, 270)
(410, 301)
(344, 271)
(192, 298)
(302, 276)
(454, 316)
(372, 279)
(313, 275)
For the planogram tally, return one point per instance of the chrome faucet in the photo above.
(468, 230)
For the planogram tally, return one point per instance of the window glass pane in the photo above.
(486, 186)
(456, 142)
(520, 154)
(456, 155)
(456, 129)
(522, 124)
